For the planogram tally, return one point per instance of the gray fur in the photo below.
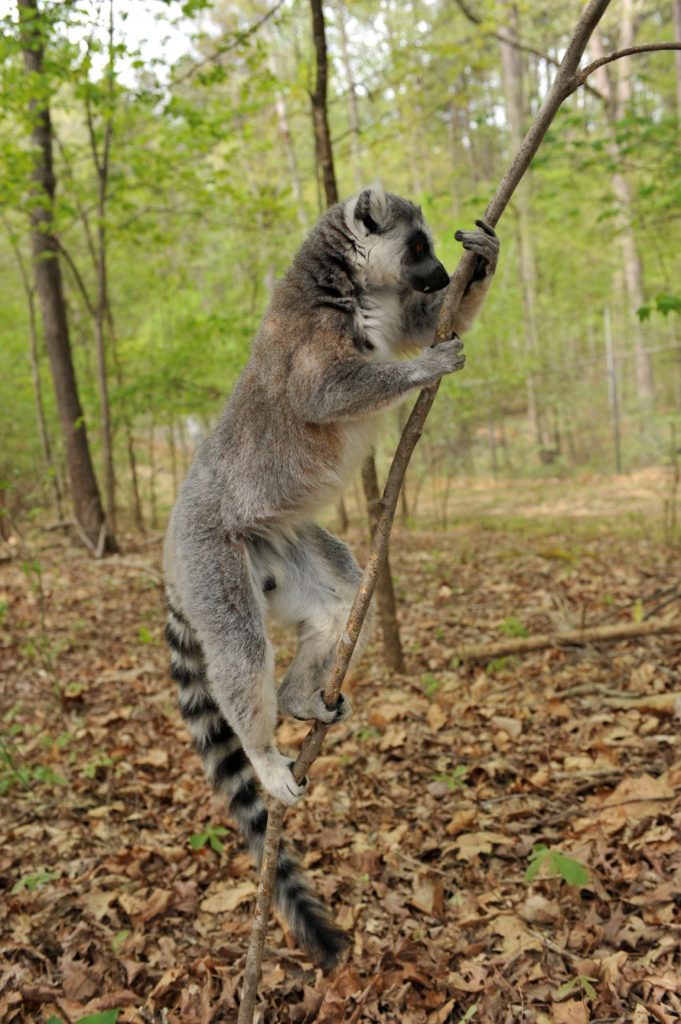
(240, 547)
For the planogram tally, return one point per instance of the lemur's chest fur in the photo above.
(378, 318)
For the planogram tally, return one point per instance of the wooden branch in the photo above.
(628, 51)
(562, 87)
(236, 39)
(515, 43)
(570, 638)
(256, 944)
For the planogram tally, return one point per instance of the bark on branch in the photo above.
(565, 83)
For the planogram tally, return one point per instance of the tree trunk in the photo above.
(285, 131)
(101, 165)
(617, 94)
(320, 120)
(385, 594)
(41, 422)
(48, 280)
(353, 104)
(677, 55)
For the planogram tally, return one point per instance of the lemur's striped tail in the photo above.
(231, 774)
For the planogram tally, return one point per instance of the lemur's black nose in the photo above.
(428, 276)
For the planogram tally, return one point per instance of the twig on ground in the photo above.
(571, 637)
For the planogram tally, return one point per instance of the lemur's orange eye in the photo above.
(419, 248)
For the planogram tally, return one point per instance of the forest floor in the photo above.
(124, 887)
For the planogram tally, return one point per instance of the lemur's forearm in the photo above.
(353, 389)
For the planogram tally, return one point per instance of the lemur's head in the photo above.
(394, 245)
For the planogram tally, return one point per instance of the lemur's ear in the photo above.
(370, 209)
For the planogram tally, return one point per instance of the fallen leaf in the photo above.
(571, 1012)
(225, 898)
(515, 936)
(472, 844)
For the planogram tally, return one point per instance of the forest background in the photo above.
(186, 175)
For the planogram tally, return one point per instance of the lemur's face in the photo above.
(394, 243)
(422, 269)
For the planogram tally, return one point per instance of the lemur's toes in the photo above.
(333, 715)
(343, 708)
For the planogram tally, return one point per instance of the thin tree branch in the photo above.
(236, 40)
(77, 276)
(564, 85)
(503, 38)
(581, 77)
(516, 44)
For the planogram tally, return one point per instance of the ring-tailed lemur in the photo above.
(364, 288)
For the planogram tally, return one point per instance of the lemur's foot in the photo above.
(334, 715)
(276, 775)
(308, 707)
(311, 706)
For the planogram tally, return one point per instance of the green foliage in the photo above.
(664, 304)
(570, 870)
(211, 837)
(512, 626)
(34, 881)
(13, 773)
(455, 779)
(582, 982)
(103, 1017)
(204, 212)
(430, 683)
(367, 732)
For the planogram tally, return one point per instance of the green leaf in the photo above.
(104, 1017)
(571, 871)
(198, 840)
(582, 981)
(668, 304)
(431, 684)
(512, 626)
(565, 989)
(537, 858)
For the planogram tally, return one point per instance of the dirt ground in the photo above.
(124, 886)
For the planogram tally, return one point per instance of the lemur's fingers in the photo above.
(484, 245)
(487, 228)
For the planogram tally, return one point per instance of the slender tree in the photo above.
(615, 86)
(34, 361)
(49, 287)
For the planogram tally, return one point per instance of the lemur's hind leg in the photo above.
(312, 587)
(222, 600)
